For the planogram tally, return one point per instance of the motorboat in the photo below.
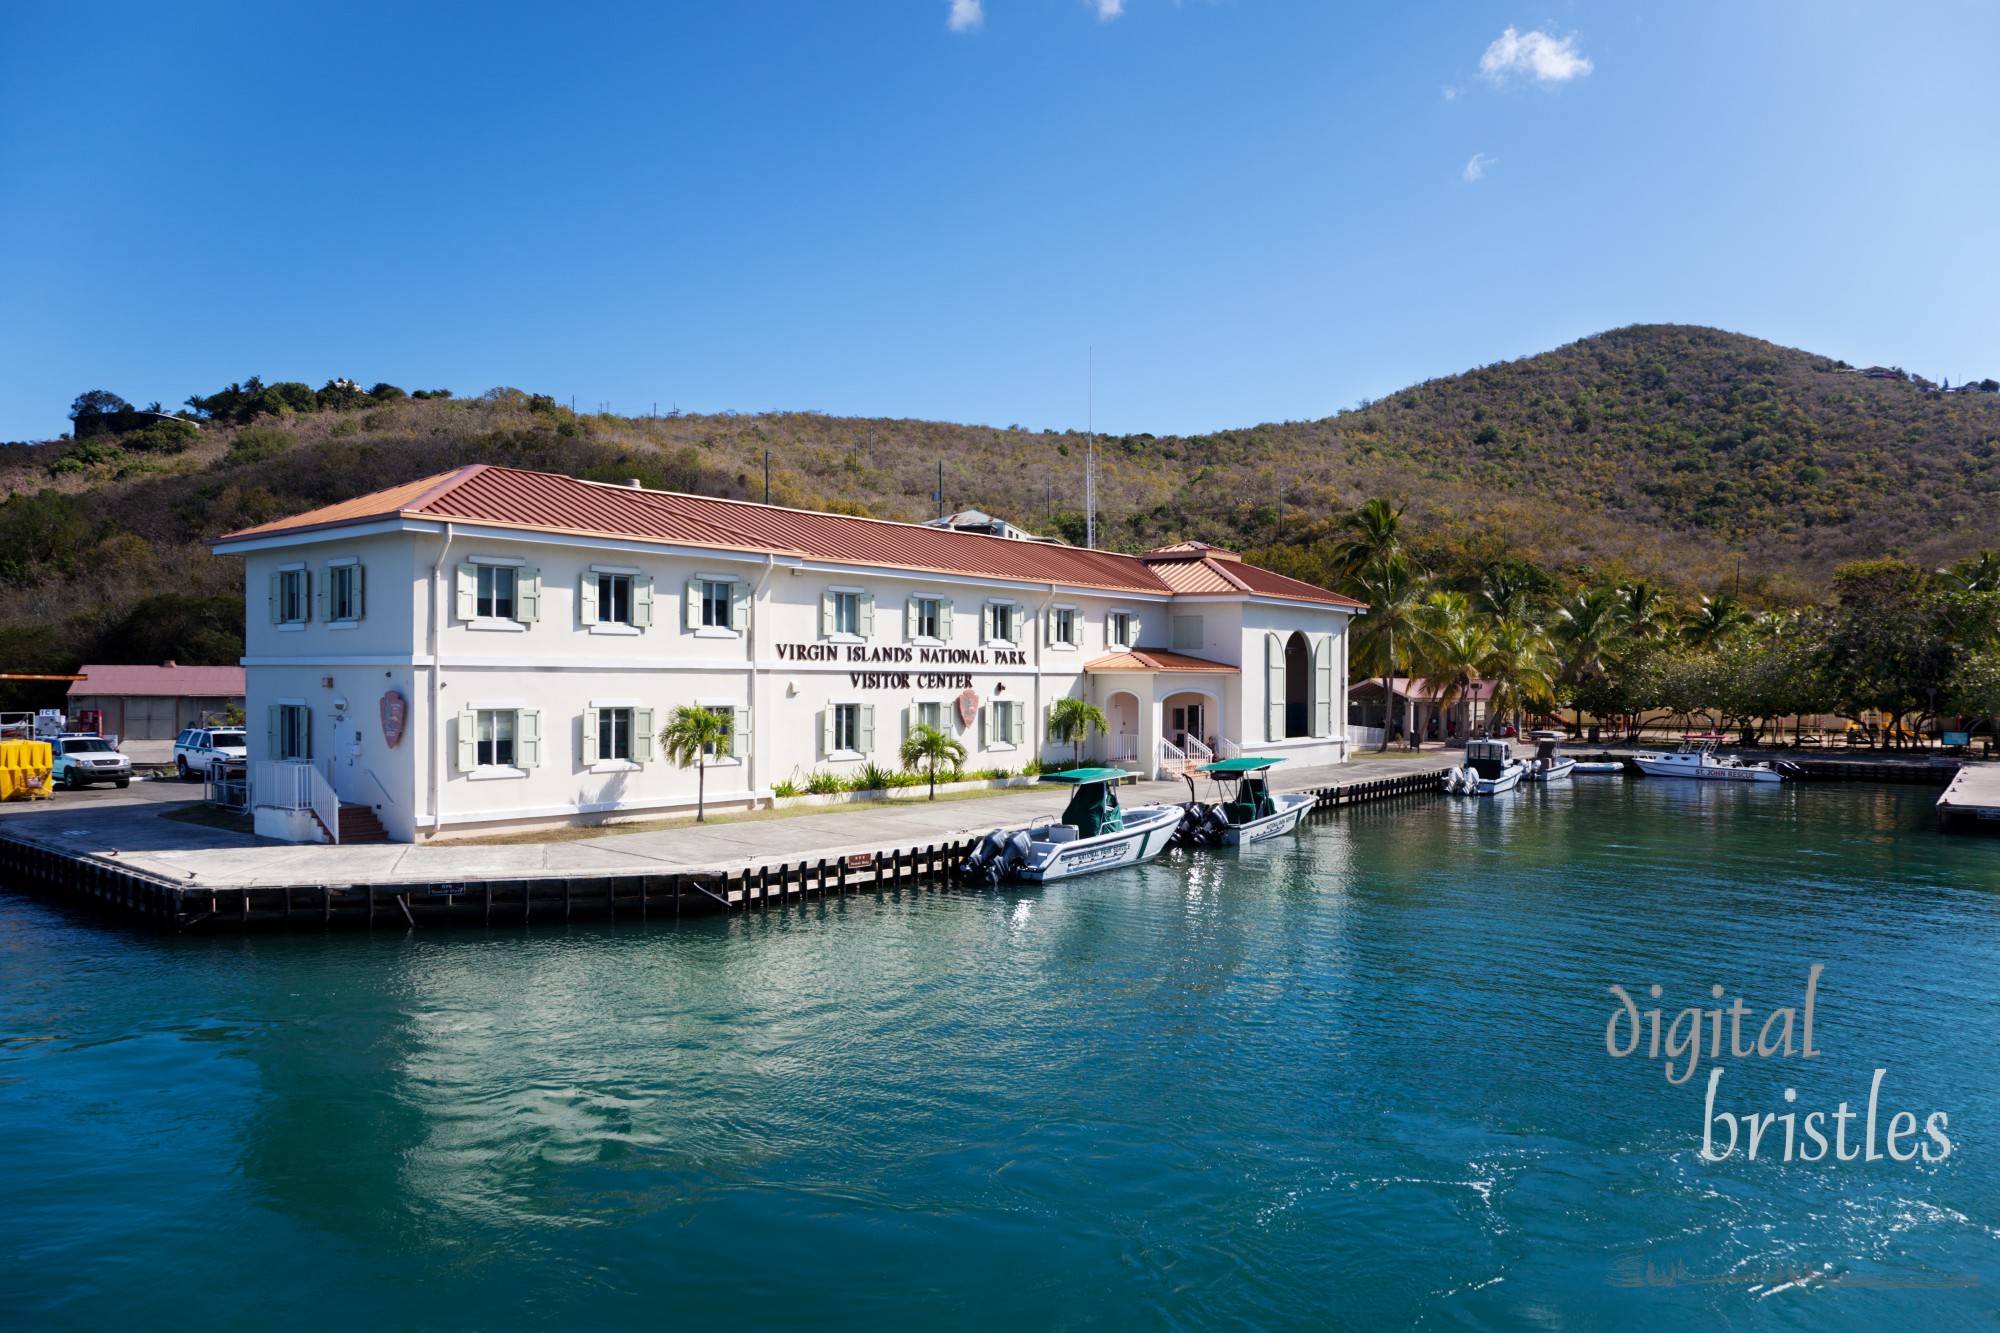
(1697, 759)
(1598, 766)
(1249, 812)
(1489, 769)
(1549, 763)
(1093, 833)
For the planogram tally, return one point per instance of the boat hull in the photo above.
(1292, 808)
(1666, 766)
(1467, 782)
(1147, 831)
(1556, 772)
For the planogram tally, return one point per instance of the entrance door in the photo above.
(345, 753)
(1187, 722)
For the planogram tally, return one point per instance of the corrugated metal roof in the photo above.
(167, 681)
(548, 501)
(1152, 659)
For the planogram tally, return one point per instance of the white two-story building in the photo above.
(493, 649)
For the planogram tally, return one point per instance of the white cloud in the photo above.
(1475, 170)
(1537, 55)
(966, 15)
(1109, 9)
(1451, 92)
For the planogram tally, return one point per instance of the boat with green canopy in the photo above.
(1249, 810)
(1094, 832)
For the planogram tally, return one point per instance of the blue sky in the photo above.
(932, 208)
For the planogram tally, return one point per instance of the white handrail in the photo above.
(325, 804)
(1172, 760)
(1199, 754)
(1228, 749)
(387, 799)
(1125, 749)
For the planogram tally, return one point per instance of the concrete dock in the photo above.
(126, 851)
(1972, 799)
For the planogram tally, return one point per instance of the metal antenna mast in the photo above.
(1090, 463)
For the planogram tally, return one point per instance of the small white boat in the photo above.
(1549, 763)
(1094, 833)
(1250, 813)
(1599, 766)
(1697, 759)
(1489, 769)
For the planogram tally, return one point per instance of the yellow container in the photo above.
(25, 768)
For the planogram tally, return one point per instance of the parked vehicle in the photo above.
(198, 748)
(81, 760)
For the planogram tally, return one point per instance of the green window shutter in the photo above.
(586, 598)
(527, 739)
(322, 591)
(467, 591)
(826, 615)
(1132, 629)
(909, 721)
(944, 621)
(909, 618)
(642, 735)
(305, 733)
(985, 726)
(739, 606)
(642, 601)
(468, 741)
(1322, 686)
(986, 624)
(865, 617)
(277, 597)
(589, 754)
(739, 736)
(527, 595)
(274, 722)
(360, 591)
(1274, 688)
(868, 728)
(1020, 624)
(825, 732)
(691, 608)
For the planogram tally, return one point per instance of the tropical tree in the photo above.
(1454, 648)
(1370, 536)
(692, 736)
(1521, 668)
(1506, 592)
(1392, 588)
(1974, 575)
(926, 747)
(1714, 619)
(1070, 721)
(1645, 611)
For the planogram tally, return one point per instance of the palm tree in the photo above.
(1714, 620)
(691, 736)
(1455, 651)
(1372, 534)
(1519, 667)
(1071, 720)
(926, 747)
(1504, 593)
(1980, 575)
(1392, 588)
(1645, 610)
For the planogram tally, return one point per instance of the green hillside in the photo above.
(1682, 454)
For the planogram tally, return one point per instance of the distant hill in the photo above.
(1688, 454)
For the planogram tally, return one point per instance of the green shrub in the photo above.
(255, 443)
(163, 437)
(345, 426)
(825, 784)
(82, 457)
(872, 777)
(786, 787)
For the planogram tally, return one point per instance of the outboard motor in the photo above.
(984, 864)
(1790, 770)
(1019, 851)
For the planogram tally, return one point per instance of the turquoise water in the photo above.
(1358, 1079)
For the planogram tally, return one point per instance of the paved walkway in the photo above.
(134, 834)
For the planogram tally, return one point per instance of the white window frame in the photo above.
(614, 579)
(514, 625)
(303, 711)
(736, 709)
(334, 568)
(728, 630)
(1075, 639)
(850, 597)
(990, 616)
(482, 599)
(937, 604)
(507, 770)
(835, 753)
(1017, 719)
(1124, 637)
(294, 574)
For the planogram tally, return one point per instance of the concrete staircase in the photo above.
(359, 824)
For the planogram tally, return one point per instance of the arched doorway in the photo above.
(1122, 711)
(1298, 686)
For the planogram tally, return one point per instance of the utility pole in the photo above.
(767, 476)
(938, 495)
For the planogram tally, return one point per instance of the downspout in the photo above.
(758, 704)
(433, 635)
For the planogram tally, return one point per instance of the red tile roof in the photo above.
(506, 497)
(1152, 659)
(207, 682)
